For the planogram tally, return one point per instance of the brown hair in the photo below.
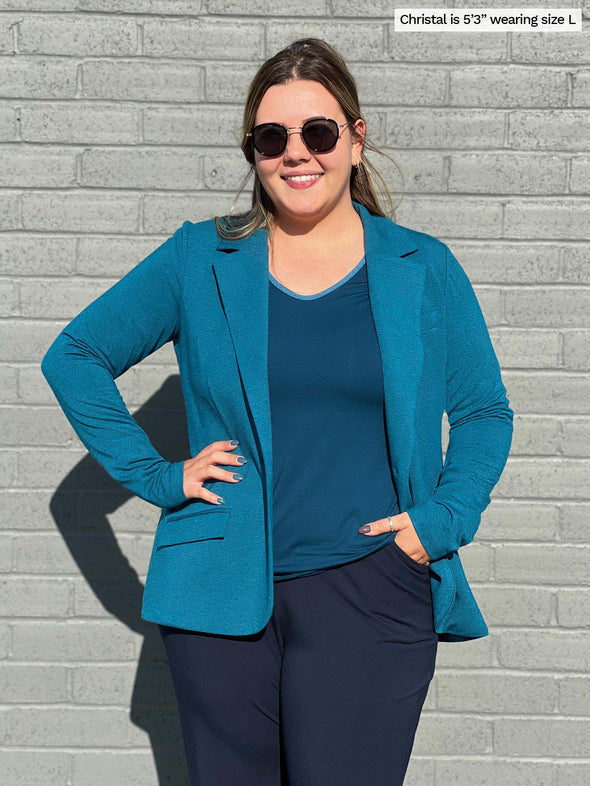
(315, 60)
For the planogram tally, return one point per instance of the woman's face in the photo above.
(292, 104)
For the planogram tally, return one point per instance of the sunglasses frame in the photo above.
(291, 129)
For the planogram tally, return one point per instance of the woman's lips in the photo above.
(299, 184)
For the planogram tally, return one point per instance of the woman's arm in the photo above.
(132, 319)
(480, 421)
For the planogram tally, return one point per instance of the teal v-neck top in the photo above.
(330, 462)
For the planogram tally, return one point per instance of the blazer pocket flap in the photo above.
(190, 525)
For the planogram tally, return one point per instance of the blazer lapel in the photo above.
(396, 284)
(242, 279)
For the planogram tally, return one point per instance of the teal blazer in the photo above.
(211, 566)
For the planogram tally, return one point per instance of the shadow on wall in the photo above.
(80, 507)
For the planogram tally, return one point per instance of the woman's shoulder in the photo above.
(200, 238)
(438, 257)
(419, 246)
(202, 230)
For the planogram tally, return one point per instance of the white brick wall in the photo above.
(118, 120)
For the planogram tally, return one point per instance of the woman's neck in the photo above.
(338, 229)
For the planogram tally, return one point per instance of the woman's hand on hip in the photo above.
(407, 538)
(204, 467)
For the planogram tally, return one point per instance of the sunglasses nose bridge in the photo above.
(295, 130)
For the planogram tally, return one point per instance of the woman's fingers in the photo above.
(380, 526)
(403, 524)
(203, 467)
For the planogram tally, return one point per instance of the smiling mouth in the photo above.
(302, 178)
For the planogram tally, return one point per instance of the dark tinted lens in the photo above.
(269, 139)
(320, 135)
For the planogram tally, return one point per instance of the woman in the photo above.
(302, 592)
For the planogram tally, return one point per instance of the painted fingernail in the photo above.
(366, 528)
(220, 500)
(234, 442)
(242, 460)
(235, 476)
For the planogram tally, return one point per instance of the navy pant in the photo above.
(329, 693)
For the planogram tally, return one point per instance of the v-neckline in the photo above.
(297, 295)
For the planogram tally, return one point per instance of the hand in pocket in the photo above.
(407, 538)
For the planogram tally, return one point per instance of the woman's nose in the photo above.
(295, 145)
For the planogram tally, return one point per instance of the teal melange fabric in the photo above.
(211, 566)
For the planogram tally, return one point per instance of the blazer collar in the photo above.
(396, 282)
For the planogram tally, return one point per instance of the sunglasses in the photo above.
(320, 134)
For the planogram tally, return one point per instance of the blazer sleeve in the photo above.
(129, 321)
(480, 420)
